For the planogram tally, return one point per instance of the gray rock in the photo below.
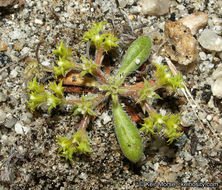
(154, 7)
(3, 97)
(11, 122)
(2, 116)
(210, 40)
(17, 34)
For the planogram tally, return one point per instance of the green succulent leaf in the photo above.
(127, 134)
(135, 56)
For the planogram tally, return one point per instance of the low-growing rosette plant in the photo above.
(110, 87)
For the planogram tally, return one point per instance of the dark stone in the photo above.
(4, 59)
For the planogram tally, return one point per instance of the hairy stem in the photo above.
(84, 122)
(148, 107)
(99, 56)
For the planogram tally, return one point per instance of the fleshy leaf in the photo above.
(127, 134)
(135, 56)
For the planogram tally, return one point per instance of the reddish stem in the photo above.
(148, 107)
(98, 73)
(99, 56)
(84, 123)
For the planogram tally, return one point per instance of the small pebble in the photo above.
(154, 7)
(106, 118)
(3, 46)
(4, 59)
(11, 122)
(2, 116)
(3, 97)
(209, 117)
(203, 55)
(20, 129)
(210, 40)
(14, 73)
(39, 22)
(46, 63)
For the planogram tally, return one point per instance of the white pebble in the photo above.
(209, 117)
(203, 55)
(14, 73)
(106, 118)
(20, 129)
(46, 63)
(39, 22)
(210, 40)
(156, 166)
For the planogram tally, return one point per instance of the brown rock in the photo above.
(3, 46)
(195, 21)
(181, 45)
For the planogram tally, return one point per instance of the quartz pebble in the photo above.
(216, 86)
(124, 3)
(195, 21)
(106, 118)
(154, 7)
(46, 63)
(210, 40)
(20, 129)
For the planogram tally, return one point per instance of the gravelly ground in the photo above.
(31, 161)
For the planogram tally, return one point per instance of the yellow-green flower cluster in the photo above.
(84, 106)
(105, 41)
(78, 143)
(38, 95)
(64, 63)
(169, 124)
(88, 66)
(147, 92)
(166, 79)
